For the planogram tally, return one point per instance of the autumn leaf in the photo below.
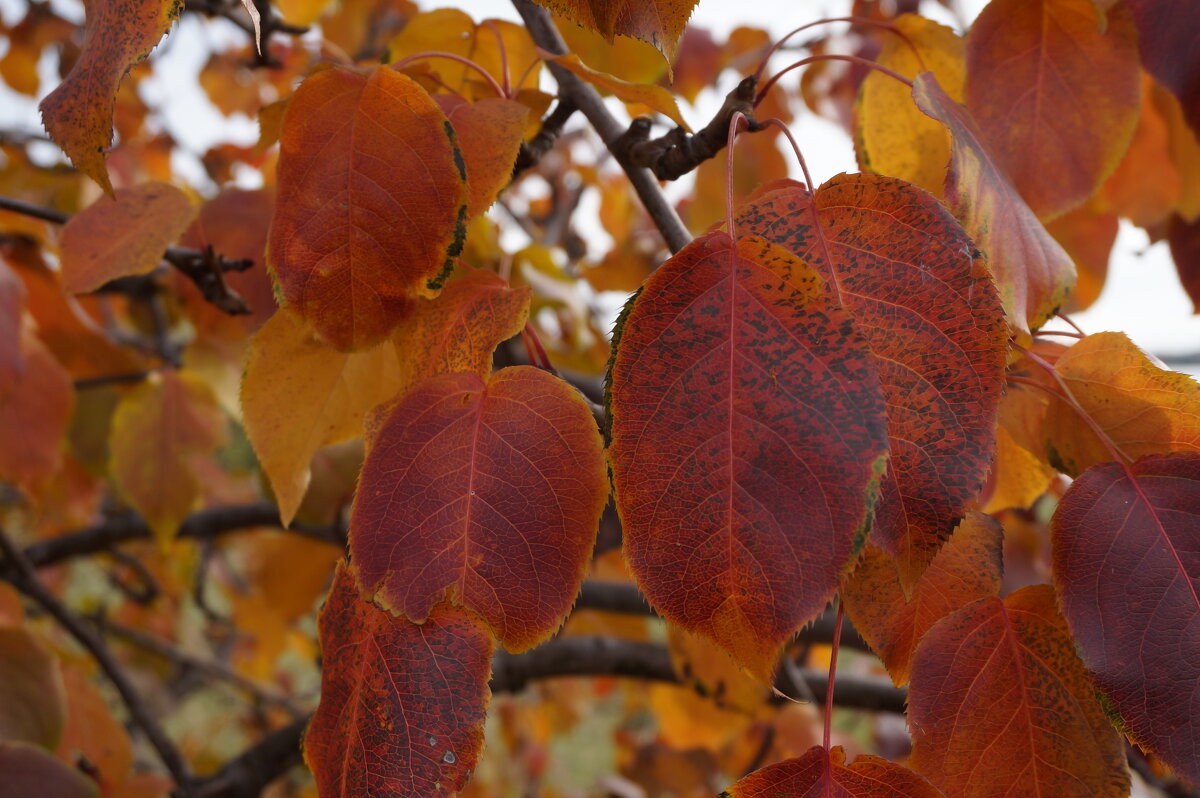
(1184, 240)
(1127, 567)
(654, 97)
(999, 698)
(1087, 234)
(78, 114)
(915, 284)
(893, 137)
(122, 235)
(748, 436)
(402, 704)
(822, 773)
(32, 699)
(1058, 119)
(12, 304)
(967, 568)
(1146, 186)
(489, 134)
(1142, 408)
(485, 492)
(159, 429)
(1032, 271)
(659, 22)
(34, 417)
(1169, 46)
(29, 770)
(371, 202)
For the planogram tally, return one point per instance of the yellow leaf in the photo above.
(654, 97)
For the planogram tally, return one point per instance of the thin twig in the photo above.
(21, 575)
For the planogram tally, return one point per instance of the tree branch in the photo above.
(531, 151)
(573, 90)
(21, 574)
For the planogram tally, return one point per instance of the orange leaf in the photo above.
(655, 97)
(999, 698)
(1059, 115)
(967, 568)
(1144, 409)
(489, 132)
(402, 704)
(158, 430)
(488, 492)
(32, 771)
(659, 22)
(1088, 236)
(123, 235)
(78, 114)
(748, 438)
(12, 305)
(1033, 272)
(33, 705)
(371, 205)
(1146, 186)
(824, 774)
(34, 417)
(92, 731)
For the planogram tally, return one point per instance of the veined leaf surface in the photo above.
(748, 438)
(825, 774)
(489, 492)
(1127, 566)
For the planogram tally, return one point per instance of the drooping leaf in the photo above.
(967, 568)
(489, 133)
(1146, 186)
(32, 701)
(825, 774)
(1087, 234)
(371, 203)
(1032, 271)
(655, 97)
(1127, 567)
(893, 136)
(159, 430)
(29, 770)
(122, 235)
(659, 22)
(1054, 129)
(916, 285)
(1144, 409)
(78, 114)
(34, 417)
(485, 492)
(298, 395)
(1169, 46)
(1184, 240)
(748, 437)
(12, 305)
(402, 704)
(999, 700)
(1184, 141)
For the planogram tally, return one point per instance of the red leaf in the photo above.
(1054, 127)
(34, 417)
(1169, 40)
(1033, 272)
(371, 203)
(824, 774)
(999, 699)
(921, 296)
(747, 442)
(1127, 565)
(402, 704)
(32, 771)
(1184, 240)
(486, 492)
(12, 304)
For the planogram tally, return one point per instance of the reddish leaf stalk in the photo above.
(535, 351)
(812, 59)
(762, 65)
(1068, 320)
(833, 655)
(503, 56)
(403, 62)
(1063, 333)
(737, 117)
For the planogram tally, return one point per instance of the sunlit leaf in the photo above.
(659, 22)
(121, 236)
(915, 285)
(402, 704)
(486, 492)
(1058, 117)
(748, 438)
(825, 774)
(78, 114)
(371, 203)
(999, 699)
(655, 97)
(489, 134)
(1032, 271)
(1127, 566)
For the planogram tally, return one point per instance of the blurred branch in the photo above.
(204, 267)
(21, 574)
(586, 99)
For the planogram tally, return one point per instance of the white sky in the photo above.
(1142, 297)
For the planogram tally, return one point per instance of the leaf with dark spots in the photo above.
(1127, 566)
(748, 437)
(922, 297)
(485, 492)
(402, 704)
